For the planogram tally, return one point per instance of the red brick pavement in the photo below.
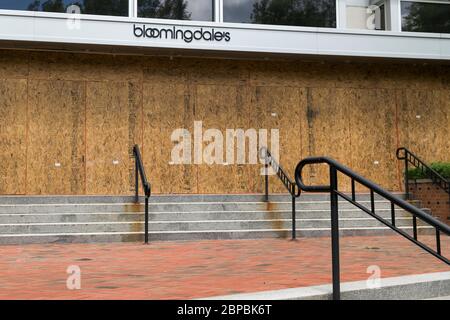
(184, 270)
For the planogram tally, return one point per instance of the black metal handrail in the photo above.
(287, 182)
(336, 167)
(409, 157)
(140, 171)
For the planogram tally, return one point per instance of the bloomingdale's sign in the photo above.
(186, 35)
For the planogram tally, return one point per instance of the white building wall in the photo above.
(54, 28)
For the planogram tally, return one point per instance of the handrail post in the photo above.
(140, 171)
(136, 181)
(294, 236)
(146, 220)
(406, 177)
(335, 233)
(266, 182)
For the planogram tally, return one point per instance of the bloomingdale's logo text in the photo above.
(175, 34)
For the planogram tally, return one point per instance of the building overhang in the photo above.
(138, 35)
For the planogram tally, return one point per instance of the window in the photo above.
(200, 10)
(365, 14)
(100, 7)
(312, 13)
(425, 17)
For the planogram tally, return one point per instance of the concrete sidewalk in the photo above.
(186, 270)
(428, 286)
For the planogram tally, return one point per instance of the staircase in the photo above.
(59, 219)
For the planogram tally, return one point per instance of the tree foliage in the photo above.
(104, 7)
(316, 13)
(426, 17)
(443, 168)
(167, 9)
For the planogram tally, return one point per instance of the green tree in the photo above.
(105, 7)
(48, 6)
(148, 8)
(426, 17)
(314, 13)
(34, 6)
(53, 6)
(167, 9)
(174, 9)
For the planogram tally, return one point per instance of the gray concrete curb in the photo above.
(413, 287)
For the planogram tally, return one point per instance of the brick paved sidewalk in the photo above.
(184, 270)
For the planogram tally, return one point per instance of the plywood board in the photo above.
(444, 75)
(215, 106)
(372, 115)
(423, 123)
(56, 134)
(216, 72)
(112, 128)
(445, 102)
(245, 117)
(283, 109)
(167, 107)
(328, 132)
(290, 74)
(84, 67)
(13, 121)
(165, 70)
(342, 110)
(14, 64)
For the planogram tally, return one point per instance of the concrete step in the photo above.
(16, 200)
(211, 225)
(193, 235)
(183, 216)
(181, 206)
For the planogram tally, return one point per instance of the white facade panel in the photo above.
(381, 46)
(95, 30)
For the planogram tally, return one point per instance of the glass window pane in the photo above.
(425, 17)
(100, 7)
(313, 13)
(200, 10)
(361, 14)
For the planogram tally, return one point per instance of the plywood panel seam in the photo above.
(349, 123)
(397, 137)
(301, 123)
(85, 137)
(142, 118)
(194, 110)
(26, 136)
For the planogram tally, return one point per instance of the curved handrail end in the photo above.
(299, 174)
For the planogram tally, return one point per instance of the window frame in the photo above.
(215, 12)
(259, 24)
(52, 14)
(400, 18)
(218, 19)
(133, 13)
